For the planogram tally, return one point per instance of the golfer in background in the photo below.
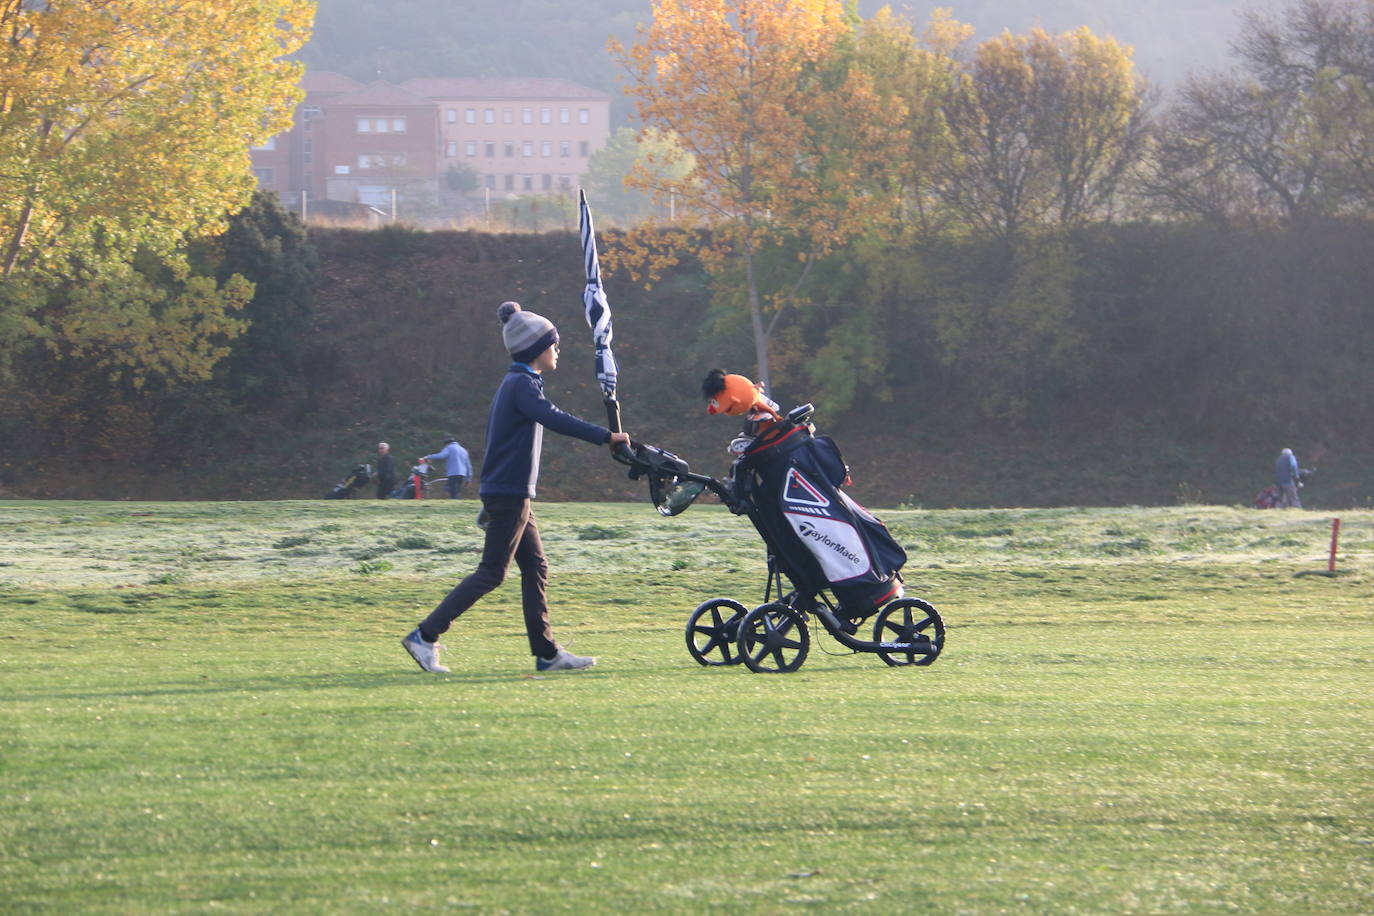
(457, 466)
(510, 470)
(1288, 477)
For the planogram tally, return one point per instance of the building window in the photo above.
(491, 182)
(471, 148)
(546, 116)
(527, 116)
(364, 125)
(527, 182)
(510, 182)
(527, 149)
(565, 182)
(547, 148)
(374, 195)
(491, 150)
(453, 116)
(563, 116)
(584, 116)
(489, 116)
(378, 161)
(452, 149)
(564, 149)
(507, 116)
(267, 178)
(398, 125)
(341, 170)
(380, 126)
(470, 116)
(548, 182)
(269, 144)
(509, 148)
(307, 151)
(583, 149)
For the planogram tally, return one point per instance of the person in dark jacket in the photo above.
(386, 470)
(510, 469)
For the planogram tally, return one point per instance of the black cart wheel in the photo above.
(712, 631)
(773, 639)
(910, 620)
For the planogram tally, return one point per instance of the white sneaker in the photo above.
(563, 660)
(426, 654)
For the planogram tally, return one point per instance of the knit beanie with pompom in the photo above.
(526, 334)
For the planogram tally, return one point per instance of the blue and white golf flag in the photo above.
(598, 310)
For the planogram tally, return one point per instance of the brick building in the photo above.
(381, 145)
(519, 136)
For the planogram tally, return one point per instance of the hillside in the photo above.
(404, 346)
(1191, 369)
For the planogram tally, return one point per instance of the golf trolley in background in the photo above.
(775, 636)
(355, 479)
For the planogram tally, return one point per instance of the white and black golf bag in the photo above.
(818, 536)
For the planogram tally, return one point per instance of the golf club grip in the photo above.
(623, 453)
(613, 415)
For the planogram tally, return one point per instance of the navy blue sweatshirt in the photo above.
(515, 433)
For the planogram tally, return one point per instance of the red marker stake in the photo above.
(1335, 533)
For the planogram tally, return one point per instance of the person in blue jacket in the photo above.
(510, 469)
(457, 466)
(1287, 478)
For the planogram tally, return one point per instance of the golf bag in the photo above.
(820, 538)
(355, 479)
(413, 486)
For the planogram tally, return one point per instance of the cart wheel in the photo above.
(773, 639)
(910, 620)
(712, 630)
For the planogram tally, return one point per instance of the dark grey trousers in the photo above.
(511, 534)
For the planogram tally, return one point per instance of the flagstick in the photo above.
(1335, 535)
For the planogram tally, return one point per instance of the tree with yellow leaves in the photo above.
(1044, 129)
(785, 133)
(125, 127)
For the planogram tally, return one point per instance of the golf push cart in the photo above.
(841, 562)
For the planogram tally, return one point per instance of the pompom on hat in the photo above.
(733, 395)
(525, 334)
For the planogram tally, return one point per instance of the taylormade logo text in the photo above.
(810, 531)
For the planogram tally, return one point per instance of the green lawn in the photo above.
(205, 707)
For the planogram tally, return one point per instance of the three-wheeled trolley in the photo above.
(841, 562)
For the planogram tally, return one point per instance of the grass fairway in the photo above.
(206, 707)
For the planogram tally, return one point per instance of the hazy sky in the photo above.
(397, 39)
(1170, 37)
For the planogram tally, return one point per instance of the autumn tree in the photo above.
(1290, 134)
(914, 77)
(784, 134)
(125, 127)
(653, 153)
(1044, 129)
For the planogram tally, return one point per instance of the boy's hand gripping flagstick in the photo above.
(598, 312)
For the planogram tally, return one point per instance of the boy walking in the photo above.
(510, 469)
